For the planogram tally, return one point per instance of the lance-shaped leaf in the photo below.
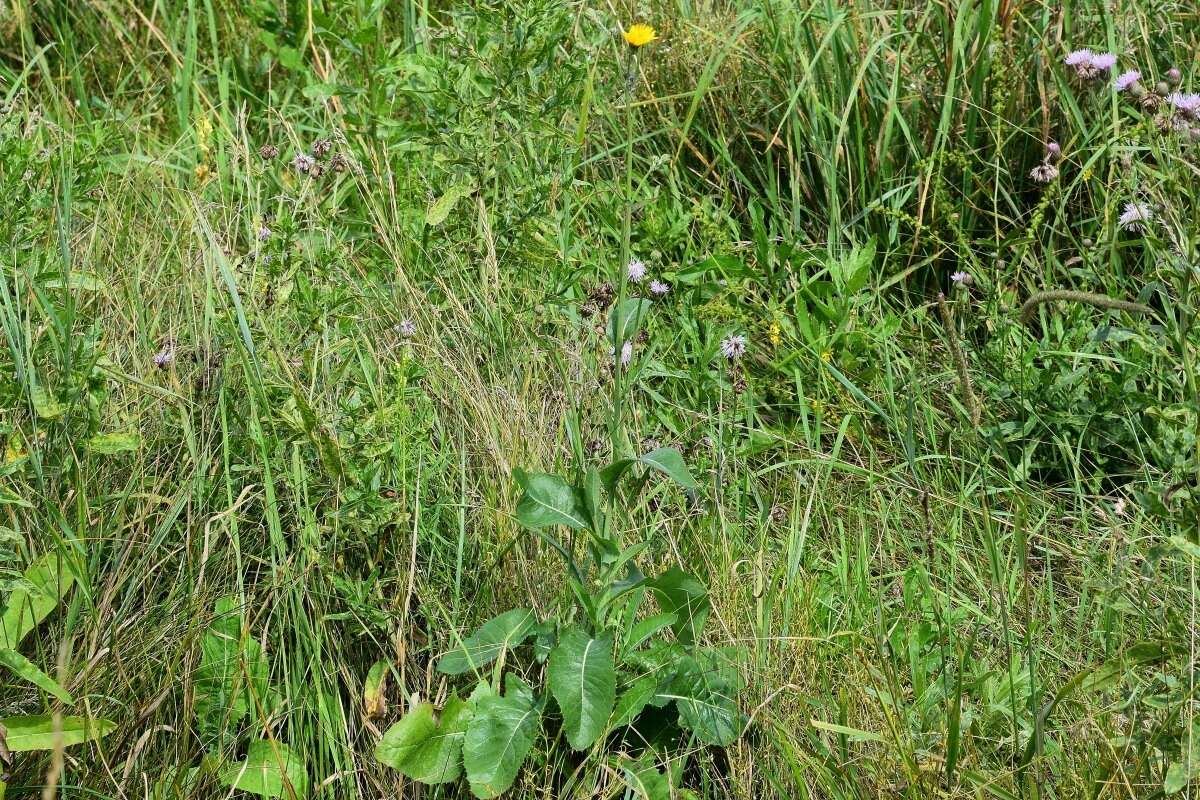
(45, 583)
(625, 320)
(549, 500)
(633, 700)
(425, 749)
(669, 462)
(26, 669)
(38, 733)
(584, 683)
(485, 645)
(499, 737)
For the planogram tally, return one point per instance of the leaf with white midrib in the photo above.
(493, 637)
(583, 681)
(499, 737)
(548, 500)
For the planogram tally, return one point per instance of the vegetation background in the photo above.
(955, 546)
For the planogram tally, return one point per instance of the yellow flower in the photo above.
(774, 334)
(640, 34)
(203, 133)
(826, 356)
(202, 172)
(13, 453)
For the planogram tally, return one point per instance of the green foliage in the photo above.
(43, 732)
(44, 583)
(486, 644)
(583, 681)
(548, 501)
(206, 392)
(499, 737)
(425, 749)
(583, 668)
(231, 679)
(270, 769)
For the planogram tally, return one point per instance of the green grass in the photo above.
(920, 607)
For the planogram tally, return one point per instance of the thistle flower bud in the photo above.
(1162, 88)
(1174, 77)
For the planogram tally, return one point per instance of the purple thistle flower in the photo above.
(635, 271)
(1053, 151)
(264, 233)
(1185, 104)
(1135, 217)
(733, 347)
(1044, 173)
(659, 289)
(303, 162)
(1088, 65)
(961, 278)
(1127, 79)
(1078, 58)
(164, 357)
(407, 328)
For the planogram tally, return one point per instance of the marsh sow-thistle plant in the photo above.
(602, 661)
(620, 644)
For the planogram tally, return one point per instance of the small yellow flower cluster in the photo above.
(775, 334)
(204, 129)
(13, 453)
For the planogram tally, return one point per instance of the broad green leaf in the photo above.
(440, 208)
(682, 595)
(83, 281)
(625, 320)
(851, 272)
(499, 737)
(633, 700)
(712, 716)
(112, 443)
(646, 628)
(593, 497)
(1187, 547)
(647, 782)
(227, 658)
(669, 462)
(26, 669)
(1176, 779)
(611, 475)
(1187, 769)
(426, 750)
(46, 405)
(549, 500)
(374, 699)
(264, 771)
(583, 681)
(37, 732)
(290, 58)
(705, 694)
(488, 642)
(46, 582)
(545, 636)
